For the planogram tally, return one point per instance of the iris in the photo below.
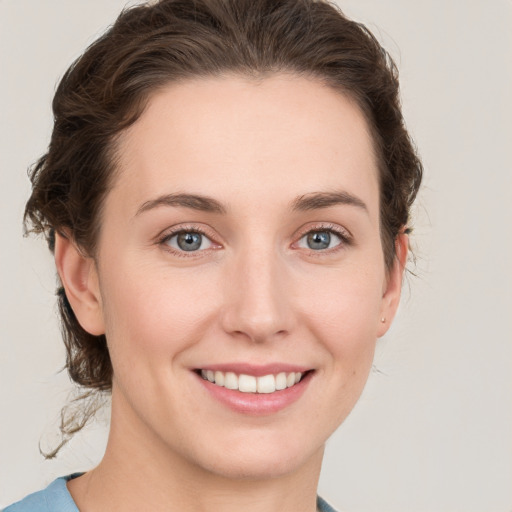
(189, 241)
(318, 240)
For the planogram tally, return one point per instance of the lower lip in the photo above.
(257, 404)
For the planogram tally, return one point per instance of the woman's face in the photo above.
(241, 242)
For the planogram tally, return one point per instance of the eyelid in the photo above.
(343, 233)
(168, 233)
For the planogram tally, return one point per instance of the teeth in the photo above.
(247, 384)
(230, 381)
(266, 384)
(252, 384)
(281, 381)
(219, 378)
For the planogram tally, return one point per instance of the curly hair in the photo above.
(151, 45)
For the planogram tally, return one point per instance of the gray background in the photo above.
(433, 430)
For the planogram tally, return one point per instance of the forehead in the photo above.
(234, 134)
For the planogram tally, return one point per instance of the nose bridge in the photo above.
(257, 303)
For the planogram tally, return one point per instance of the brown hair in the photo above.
(150, 45)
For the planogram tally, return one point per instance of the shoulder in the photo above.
(55, 498)
(323, 506)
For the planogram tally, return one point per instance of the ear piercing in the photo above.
(383, 320)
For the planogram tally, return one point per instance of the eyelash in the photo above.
(163, 240)
(344, 236)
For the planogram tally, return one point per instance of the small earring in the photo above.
(383, 320)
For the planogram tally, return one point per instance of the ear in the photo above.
(393, 287)
(79, 277)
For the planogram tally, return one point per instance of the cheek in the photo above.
(346, 323)
(154, 316)
(344, 311)
(344, 319)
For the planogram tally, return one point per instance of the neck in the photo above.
(138, 472)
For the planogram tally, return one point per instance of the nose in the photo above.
(257, 304)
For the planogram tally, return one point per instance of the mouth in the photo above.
(246, 383)
(255, 390)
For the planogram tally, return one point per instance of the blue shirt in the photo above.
(56, 498)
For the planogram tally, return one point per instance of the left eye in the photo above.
(189, 241)
(319, 240)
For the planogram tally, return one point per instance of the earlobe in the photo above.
(393, 289)
(79, 278)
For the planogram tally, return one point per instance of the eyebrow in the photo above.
(306, 202)
(319, 200)
(193, 201)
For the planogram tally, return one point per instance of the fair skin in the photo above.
(273, 282)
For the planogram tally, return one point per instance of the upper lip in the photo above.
(255, 370)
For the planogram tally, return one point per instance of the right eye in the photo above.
(320, 240)
(188, 241)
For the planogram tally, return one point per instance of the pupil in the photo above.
(189, 241)
(319, 240)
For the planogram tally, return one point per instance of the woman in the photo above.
(227, 194)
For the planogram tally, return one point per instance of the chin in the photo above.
(260, 462)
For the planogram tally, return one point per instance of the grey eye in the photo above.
(319, 240)
(189, 241)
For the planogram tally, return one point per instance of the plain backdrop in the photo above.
(433, 429)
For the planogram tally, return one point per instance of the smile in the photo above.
(251, 384)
